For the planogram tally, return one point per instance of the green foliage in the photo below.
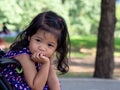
(82, 16)
(9, 10)
(20, 12)
(117, 33)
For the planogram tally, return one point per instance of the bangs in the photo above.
(54, 31)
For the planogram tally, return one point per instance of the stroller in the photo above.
(4, 85)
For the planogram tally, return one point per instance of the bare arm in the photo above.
(53, 81)
(36, 80)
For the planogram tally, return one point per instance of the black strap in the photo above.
(4, 85)
(5, 61)
(1, 53)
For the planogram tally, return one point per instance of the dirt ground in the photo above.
(86, 65)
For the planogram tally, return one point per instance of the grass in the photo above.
(77, 54)
(71, 74)
(9, 39)
(117, 45)
(79, 42)
(83, 42)
(89, 42)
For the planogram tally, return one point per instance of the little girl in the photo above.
(45, 37)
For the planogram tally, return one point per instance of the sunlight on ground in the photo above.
(86, 65)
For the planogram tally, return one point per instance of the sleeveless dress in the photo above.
(15, 78)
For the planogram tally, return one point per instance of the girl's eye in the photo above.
(38, 40)
(50, 45)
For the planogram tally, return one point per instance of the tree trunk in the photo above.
(104, 64)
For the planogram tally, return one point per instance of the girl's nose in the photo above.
(42, 48)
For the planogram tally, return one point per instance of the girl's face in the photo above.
(44, 42)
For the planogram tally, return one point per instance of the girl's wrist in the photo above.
(52, 67)
(45, 63)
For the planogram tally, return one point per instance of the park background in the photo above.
(82, 17)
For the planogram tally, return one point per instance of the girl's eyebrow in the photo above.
(53, 43)
(38, 36)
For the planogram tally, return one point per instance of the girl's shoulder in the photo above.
(13, 53)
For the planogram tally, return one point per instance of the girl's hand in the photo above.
(40, 57)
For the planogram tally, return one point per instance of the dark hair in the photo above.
(51, 22)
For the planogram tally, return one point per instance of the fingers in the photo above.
(35, 56)
(42, 56)
(39, 57)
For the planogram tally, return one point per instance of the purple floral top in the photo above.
(14, 78)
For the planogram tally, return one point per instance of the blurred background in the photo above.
(83, 19)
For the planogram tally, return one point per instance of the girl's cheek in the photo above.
(33, 51)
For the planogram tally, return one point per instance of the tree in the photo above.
(104, 64)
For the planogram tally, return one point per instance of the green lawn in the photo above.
(79, 42)
(88, 42)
